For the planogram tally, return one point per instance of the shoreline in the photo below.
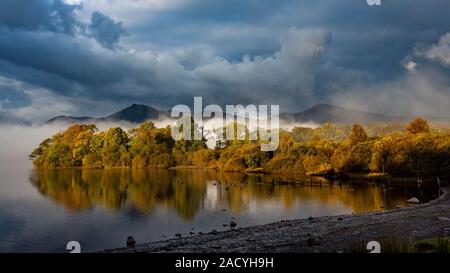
(328, 234)
(377, 178)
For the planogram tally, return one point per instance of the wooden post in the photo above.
(439, 187)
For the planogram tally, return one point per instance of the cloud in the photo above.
(424, 90)
(79, 66)
(9, 118)
(12, 95)
(75, 54)
(439, 52)
(105, 30)
(285, 77)
(51, 15)
(410, 66)
(423, 93)
(74, 59)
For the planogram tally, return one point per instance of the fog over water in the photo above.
(18, 141)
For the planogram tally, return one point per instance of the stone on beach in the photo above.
(130, 241)
(413, 200)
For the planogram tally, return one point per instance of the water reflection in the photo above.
(188, 192)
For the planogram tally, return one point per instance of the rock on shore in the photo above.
(329, 234)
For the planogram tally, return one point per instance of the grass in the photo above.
(399, 244)
(436, 245)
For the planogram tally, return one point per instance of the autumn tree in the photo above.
(149, 142)
(82, 145)
(38, 154)
(359, 158)
(94, 158)
(357, 135)
(114, 147)
(317, 151)
(419, 125)
(65, 149)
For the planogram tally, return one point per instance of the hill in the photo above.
(136, 113)
(322, 113)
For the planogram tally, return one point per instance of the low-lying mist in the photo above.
(18, 141)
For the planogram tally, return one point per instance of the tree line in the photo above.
(415, 151)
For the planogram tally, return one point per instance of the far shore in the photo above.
(329, 234)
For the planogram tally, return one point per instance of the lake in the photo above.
(41, 210)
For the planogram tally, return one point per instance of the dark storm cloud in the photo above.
(368, 38)
(52, 15)
(293, 53)
(78, 67)
(11, 97)
(105, 30)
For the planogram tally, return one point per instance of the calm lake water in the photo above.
(41, 210)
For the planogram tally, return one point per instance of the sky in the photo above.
(94, 57)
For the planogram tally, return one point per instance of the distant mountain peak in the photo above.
(325, 112)
(70, 119)
(320, 113)
(135, 113)
(139, 106)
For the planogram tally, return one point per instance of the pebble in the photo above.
(312, 241)
(413, 200)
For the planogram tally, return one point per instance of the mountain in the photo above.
(322, 113)
(319, 114)
(136, 113)
(70, 119)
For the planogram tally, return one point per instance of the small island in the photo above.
(378, 151)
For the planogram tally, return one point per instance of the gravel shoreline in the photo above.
(329, 234)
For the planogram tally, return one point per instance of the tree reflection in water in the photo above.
(189, 191)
